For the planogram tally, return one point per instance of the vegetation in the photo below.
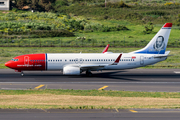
(36, 25)
(86, 99)
(92, 93)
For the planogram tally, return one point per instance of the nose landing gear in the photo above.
(22, 74)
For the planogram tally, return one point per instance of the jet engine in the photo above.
(71, 70)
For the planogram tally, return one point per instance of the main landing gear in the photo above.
(88, 73)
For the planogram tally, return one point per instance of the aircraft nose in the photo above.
(8, 64)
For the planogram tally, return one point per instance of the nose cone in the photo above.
(8, 64)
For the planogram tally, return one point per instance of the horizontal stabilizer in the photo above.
(164, 55)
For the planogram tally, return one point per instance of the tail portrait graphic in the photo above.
(159, 44)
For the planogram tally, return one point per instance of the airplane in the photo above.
(76, 63)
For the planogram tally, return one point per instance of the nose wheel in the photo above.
(22, 74)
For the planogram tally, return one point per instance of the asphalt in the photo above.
(166, 80)
(60, 114)
(133, 80)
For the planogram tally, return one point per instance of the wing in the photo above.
(96, 66)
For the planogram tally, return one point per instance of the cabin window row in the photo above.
(92, 60)
(37, 60)
(126, 59)
(87, 60)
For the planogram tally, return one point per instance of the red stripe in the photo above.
(168, 25)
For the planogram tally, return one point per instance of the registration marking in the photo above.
(102, 87)
(38, 86)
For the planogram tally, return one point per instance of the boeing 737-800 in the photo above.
(76, 63)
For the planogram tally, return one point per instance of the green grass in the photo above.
(92, 93)
(86, 99)
(128, 38)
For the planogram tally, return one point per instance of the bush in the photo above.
(45, 33)
(148, 28)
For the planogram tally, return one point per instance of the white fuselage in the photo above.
(127, 61)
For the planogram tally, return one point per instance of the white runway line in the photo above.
(177, 72)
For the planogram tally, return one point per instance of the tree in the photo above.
(20, 4)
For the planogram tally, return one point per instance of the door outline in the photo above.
(141, 60)
(26, 60)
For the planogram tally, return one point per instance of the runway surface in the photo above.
(56, 114)
(166, 80)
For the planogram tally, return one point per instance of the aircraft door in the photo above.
(141, 60)
(26, 60)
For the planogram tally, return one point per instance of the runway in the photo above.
(123, 114)
(165, 80)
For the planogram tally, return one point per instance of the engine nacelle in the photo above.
(71, 70)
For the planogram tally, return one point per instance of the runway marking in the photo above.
(38, 86)
(117, 110)
(177, 72)
(103, 87)
(133, 111)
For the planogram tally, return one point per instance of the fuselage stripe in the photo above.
(46, 61)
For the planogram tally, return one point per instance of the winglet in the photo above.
(117, 60)
(105, 49)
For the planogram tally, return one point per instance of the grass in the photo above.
(86, 99)
(106, 93)
(127, 38)
(7, 53)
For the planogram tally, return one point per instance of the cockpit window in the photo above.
(15, 59)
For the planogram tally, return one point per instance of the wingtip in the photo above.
(106, 49)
